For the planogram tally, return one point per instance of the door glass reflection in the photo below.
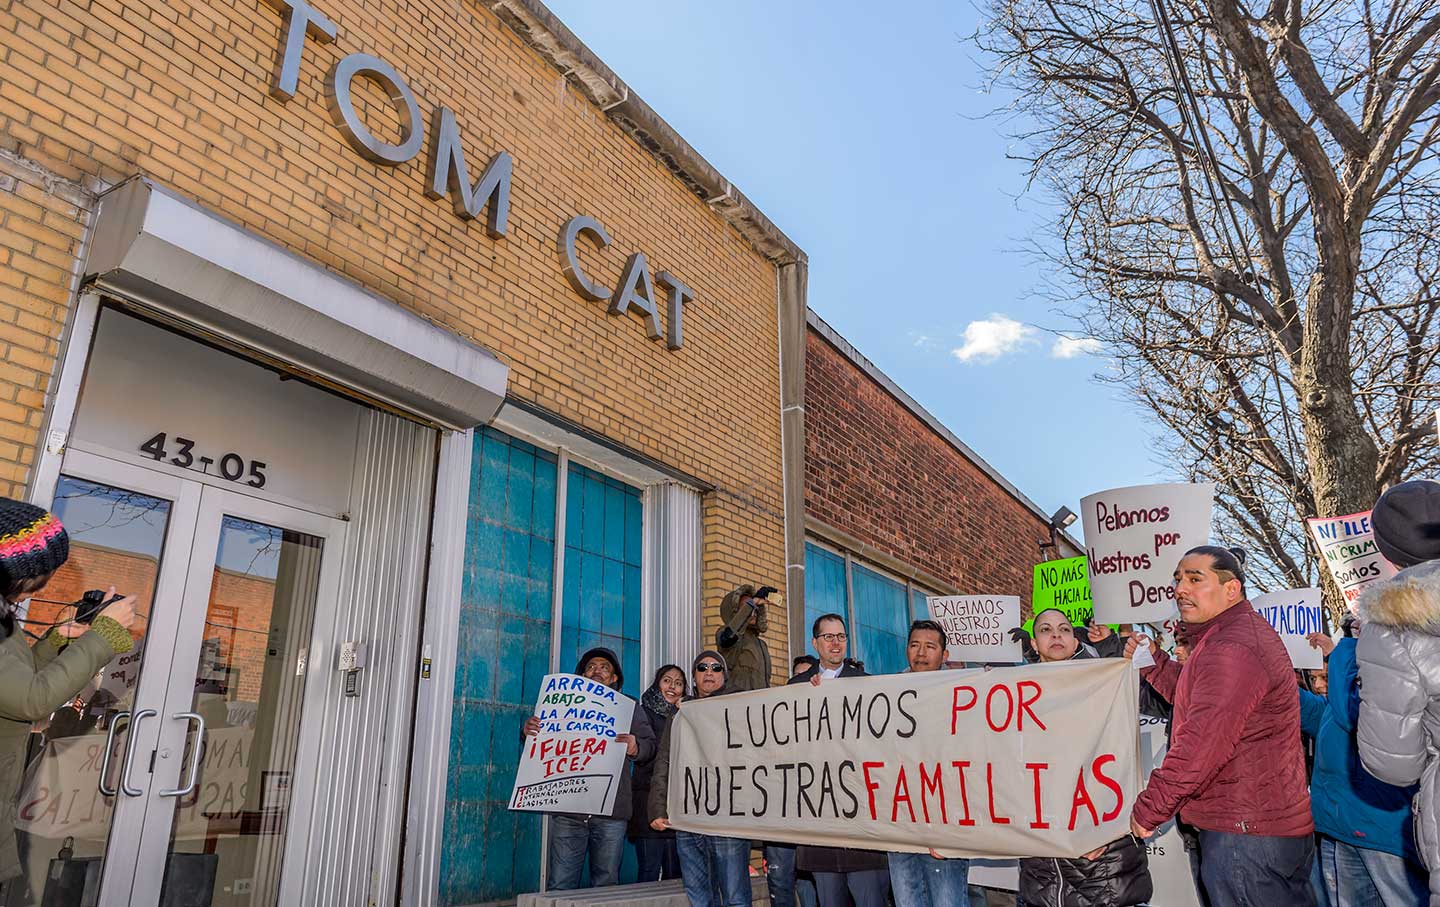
(61, 819)
(227, 841)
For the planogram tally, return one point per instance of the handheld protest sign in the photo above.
(1065, 586)
(1134, 537)
(977, 627)
(1295, 614)
(573, 765)
(1347, 546)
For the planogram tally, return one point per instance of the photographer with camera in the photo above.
(36, 680)
(741, 641)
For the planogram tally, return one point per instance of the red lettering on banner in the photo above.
(990, 788)
(964, 797)
(1100, 762)
(929, 785)
(990, 712)
(956, 708)
(1037, 768)
(871, 786)
(901, 784)
(1026, 703)
(1082, 796)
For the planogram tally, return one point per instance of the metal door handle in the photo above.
(125, 787)
(110, 748)
(195, 752)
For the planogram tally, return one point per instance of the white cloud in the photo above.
(1074, 347)
(996, 336)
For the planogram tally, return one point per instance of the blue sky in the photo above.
(861, 131)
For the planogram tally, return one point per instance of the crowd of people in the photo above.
(1287, 788)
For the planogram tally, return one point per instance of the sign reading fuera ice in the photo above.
(447, 173)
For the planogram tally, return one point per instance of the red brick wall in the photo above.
(876, 471)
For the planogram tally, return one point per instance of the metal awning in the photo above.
(166, 252)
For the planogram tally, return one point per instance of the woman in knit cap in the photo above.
(1399, 655)
(37, 680)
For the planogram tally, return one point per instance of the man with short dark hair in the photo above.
(918, 879)
(840, 872)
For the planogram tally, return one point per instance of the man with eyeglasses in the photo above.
(917, 879)
(708, 863)
(841, 873)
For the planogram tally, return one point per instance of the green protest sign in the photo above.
(1062, 584)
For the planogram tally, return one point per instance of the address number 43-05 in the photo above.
(232, 467)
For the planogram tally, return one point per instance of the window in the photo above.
(880, 613)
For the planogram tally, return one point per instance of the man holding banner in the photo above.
(1235, 768)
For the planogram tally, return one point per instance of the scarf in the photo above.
(656, 703)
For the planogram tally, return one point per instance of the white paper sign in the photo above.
(1347, 546)
(1134, 537)
(977, 627)
(1295, 613)
(573, 765)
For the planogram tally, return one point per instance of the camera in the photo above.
(91, 604)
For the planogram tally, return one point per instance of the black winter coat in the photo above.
(837, 859)
(1118, 877)
(640, 780)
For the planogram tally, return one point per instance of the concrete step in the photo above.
(645, 894)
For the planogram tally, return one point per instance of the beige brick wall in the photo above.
(92, 93)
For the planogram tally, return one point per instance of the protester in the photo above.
(1235, 768)
(918, 879)
(1117, 874)
(1367, 853)
(741, 639)
(37, 680)
(841, 874)
(800, 664)
(1399, 654)
(715, 870)
(655, 850)
(602, 838)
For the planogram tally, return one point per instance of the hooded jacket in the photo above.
(35, 681)
(1399, 736)
(1349, 803)
(740, 643)
(1235, 762)
(1119, 877)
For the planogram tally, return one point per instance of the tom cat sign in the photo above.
(448, 174)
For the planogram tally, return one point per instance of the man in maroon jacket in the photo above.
(1235, 769)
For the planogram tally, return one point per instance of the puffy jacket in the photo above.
(35, 681)
(1235, 761)
(1399, 735)
(837, 859)
(1117, 878)
(1350, 804)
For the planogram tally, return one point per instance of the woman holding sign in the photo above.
(1117, 874)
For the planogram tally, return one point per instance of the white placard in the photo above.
(1134, 537)
(977, 627)
(1169, 863)
(1295, 613)
(573, 765)
(1347, 546)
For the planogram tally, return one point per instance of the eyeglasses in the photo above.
(832, 637)
(705, 666)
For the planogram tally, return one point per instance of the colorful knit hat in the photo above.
(32, 542)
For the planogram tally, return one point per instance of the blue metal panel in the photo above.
(882, 615)
(824, 586)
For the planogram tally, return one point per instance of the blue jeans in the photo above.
(657, 858)
(572, 837)
(1355, 876)
(866, 888)
(715, 870)
(920, 880)
(1256, 870)
(780, 874)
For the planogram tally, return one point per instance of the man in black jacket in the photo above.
(862, 874)
(572, 837)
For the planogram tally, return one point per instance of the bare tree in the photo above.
(1248, 206)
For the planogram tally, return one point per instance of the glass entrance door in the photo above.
(179, 775)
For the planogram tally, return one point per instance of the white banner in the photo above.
(573, 765)
(1295, 613)
(1169, 863)
(1038, 760)
(977, 627)
(1347, 546)
(1134, 537)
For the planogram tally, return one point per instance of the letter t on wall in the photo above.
(299, 20)
(677, 295)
